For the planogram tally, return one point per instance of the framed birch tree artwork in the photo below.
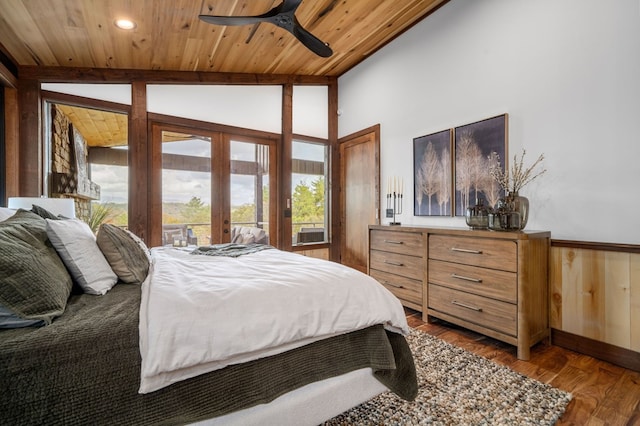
(479, 146)
(432, 171)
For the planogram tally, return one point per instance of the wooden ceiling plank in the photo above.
(169, 35)
(21, 35)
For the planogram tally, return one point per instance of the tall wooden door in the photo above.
(205, 183)
(360, 194)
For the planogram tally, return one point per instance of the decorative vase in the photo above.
(477, 217)
(519, 204)
(511, 213)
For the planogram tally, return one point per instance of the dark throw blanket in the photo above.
(230, 249)
(84, 369)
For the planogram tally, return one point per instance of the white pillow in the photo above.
(6, 213)
(76, 245)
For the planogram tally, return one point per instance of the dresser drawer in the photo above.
(490, 313)
(492, 283)
(484, 252)
(397, 242)
(402, 287)
(400, 264)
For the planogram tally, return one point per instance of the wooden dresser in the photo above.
(495, 283)
(397, 259)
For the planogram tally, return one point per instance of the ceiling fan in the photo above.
(283, 16)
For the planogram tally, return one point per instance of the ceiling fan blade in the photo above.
(282, 16)
(289, 5)
(312, 42)
(232, 20)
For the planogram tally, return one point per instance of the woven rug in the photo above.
(457, 387)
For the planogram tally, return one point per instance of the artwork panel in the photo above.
(432, 174)
(476, 147)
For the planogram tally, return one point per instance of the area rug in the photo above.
(457, 387)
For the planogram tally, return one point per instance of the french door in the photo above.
(206, 183)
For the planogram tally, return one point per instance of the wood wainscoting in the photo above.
(595, 300)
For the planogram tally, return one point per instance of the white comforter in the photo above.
(201, 313)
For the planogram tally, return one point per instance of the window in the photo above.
(87, 157)
(309, 192)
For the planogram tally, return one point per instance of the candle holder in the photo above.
(394, 206)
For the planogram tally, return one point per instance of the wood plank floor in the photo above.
(603, 393)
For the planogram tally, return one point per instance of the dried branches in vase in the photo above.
(512, 212)
(514, 179)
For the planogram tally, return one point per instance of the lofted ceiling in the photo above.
(169, 35)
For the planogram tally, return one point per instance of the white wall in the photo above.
(567, 73)
(252, 107)
(118, 93)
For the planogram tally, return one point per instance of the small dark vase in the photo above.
(519, 204)
(503, 217)
(477, 217)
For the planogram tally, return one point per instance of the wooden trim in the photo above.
(30, 137)
(305, 138)
(334, 171)
(614, 354)
(305, 247)
(11, 143)
(622, 248)
(82, 102)
(169, 120)
(7, 78)
(286, 149)
(139, 152)
(110, 75)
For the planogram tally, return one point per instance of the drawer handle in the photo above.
(389, 262)
(464, 305)
(461, 250)
(393, 242)
(392, 284)
(462, 277)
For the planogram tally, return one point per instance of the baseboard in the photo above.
(614, 354)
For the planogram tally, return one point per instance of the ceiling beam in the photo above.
(110, 75)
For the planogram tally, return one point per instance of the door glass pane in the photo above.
(249, 190)
(186, 189)
(309, 193)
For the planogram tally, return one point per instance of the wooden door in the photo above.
(205, 183)
(360, 194)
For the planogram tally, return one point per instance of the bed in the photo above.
(224, 334)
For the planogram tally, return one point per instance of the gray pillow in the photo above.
(127, 254)
(76, 246)
(34, 283)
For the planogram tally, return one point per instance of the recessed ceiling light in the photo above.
(125, 24)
